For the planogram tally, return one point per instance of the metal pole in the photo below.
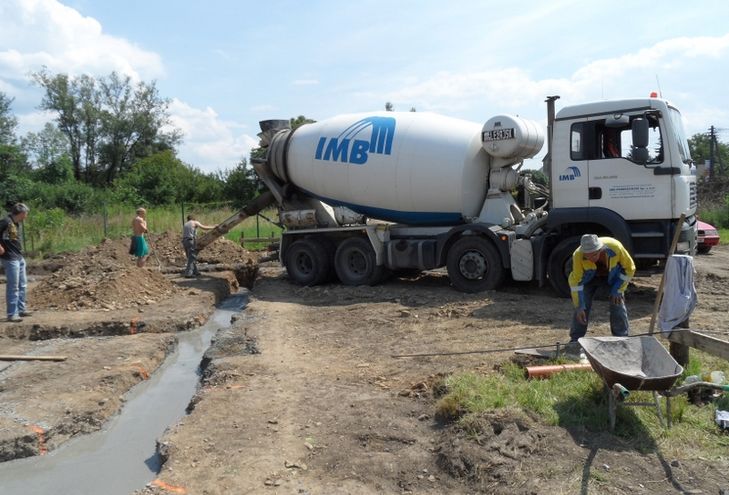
(712, 141)
(258, 230)
(182, 209)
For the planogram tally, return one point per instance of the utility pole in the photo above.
(712, 151)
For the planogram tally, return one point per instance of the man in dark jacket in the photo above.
(11, 254)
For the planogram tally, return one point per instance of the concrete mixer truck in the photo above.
(364, 195)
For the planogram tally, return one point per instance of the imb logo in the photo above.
(570, 173)
(346, 148)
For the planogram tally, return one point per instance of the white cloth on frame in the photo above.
(679, 293)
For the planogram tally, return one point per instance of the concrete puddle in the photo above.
(122, 456)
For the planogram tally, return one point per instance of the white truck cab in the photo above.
(621, 168)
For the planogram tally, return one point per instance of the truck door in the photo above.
(618, 183)
(569, 174)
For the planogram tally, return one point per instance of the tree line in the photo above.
(110, 140)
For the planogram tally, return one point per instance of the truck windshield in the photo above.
(679, 134)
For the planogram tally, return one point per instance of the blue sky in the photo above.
(228, 64)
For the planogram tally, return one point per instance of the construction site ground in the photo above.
(302, 395)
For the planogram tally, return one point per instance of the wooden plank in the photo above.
(702, 342)
(11, 357)
(541, 353)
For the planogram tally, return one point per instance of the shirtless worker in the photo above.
(189, 233)
(139, 247)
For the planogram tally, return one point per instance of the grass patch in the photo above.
(49, 232)
(577, 399)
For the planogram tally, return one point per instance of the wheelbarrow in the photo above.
(632, 363)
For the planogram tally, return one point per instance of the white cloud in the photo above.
(684, 63)
(35, 33)
(34, 121)
(210, 143)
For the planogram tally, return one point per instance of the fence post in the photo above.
(258, 230)
(182, 209)
(106, 221)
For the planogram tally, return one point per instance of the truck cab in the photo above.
(620, 168)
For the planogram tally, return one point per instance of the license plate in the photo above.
(498, 135)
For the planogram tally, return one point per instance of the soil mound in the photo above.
(487, 451)
(168, 249)
(106, 277)
(101, 277)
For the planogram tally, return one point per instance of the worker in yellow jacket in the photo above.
(600, 261)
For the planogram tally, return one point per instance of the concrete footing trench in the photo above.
(90, 424)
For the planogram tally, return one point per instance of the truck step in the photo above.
(647, 234)
(649, 255)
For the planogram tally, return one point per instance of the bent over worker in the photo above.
(599, 261)
(189, 235)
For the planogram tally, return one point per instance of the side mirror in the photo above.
(640, 132)
(640, 155)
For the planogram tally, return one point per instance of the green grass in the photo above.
(577, 399)
(52, 231)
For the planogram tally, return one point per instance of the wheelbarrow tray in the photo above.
(637, 363)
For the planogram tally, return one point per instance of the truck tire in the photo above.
(308, 262)
(559, 265)
(703, 249)
(474, 265)
(355, 263)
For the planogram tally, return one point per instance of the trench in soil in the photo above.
(122, 457)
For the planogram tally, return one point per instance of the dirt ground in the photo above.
(303, 395)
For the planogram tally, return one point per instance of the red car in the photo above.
(708, 237)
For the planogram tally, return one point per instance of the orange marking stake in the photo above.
(170, 488)
(142, 371)
(41, 434)
(133, 326)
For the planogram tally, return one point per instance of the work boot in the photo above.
(572, 351)
(26, 313)
(14, 319)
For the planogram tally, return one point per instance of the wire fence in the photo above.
(46, 232)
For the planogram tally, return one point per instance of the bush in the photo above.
(72, 197)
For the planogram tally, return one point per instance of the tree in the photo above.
(62, 97)
(299, 121)
(109, 122)
(8, 122)
(241, 184)
(132, 119)
(162, 178)
(13, 162)
(700, 149)
(45, 147)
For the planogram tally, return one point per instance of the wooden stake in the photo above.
(10, 357)
(659, 296)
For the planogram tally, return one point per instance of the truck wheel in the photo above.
(560, 265)
(355, 263)
(474, 265)
(308, 262)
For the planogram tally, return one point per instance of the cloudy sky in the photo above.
(226, 64)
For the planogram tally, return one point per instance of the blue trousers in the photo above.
(191, 253)
(619, 325)
(16, 285)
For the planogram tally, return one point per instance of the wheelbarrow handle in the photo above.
(684, 388)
